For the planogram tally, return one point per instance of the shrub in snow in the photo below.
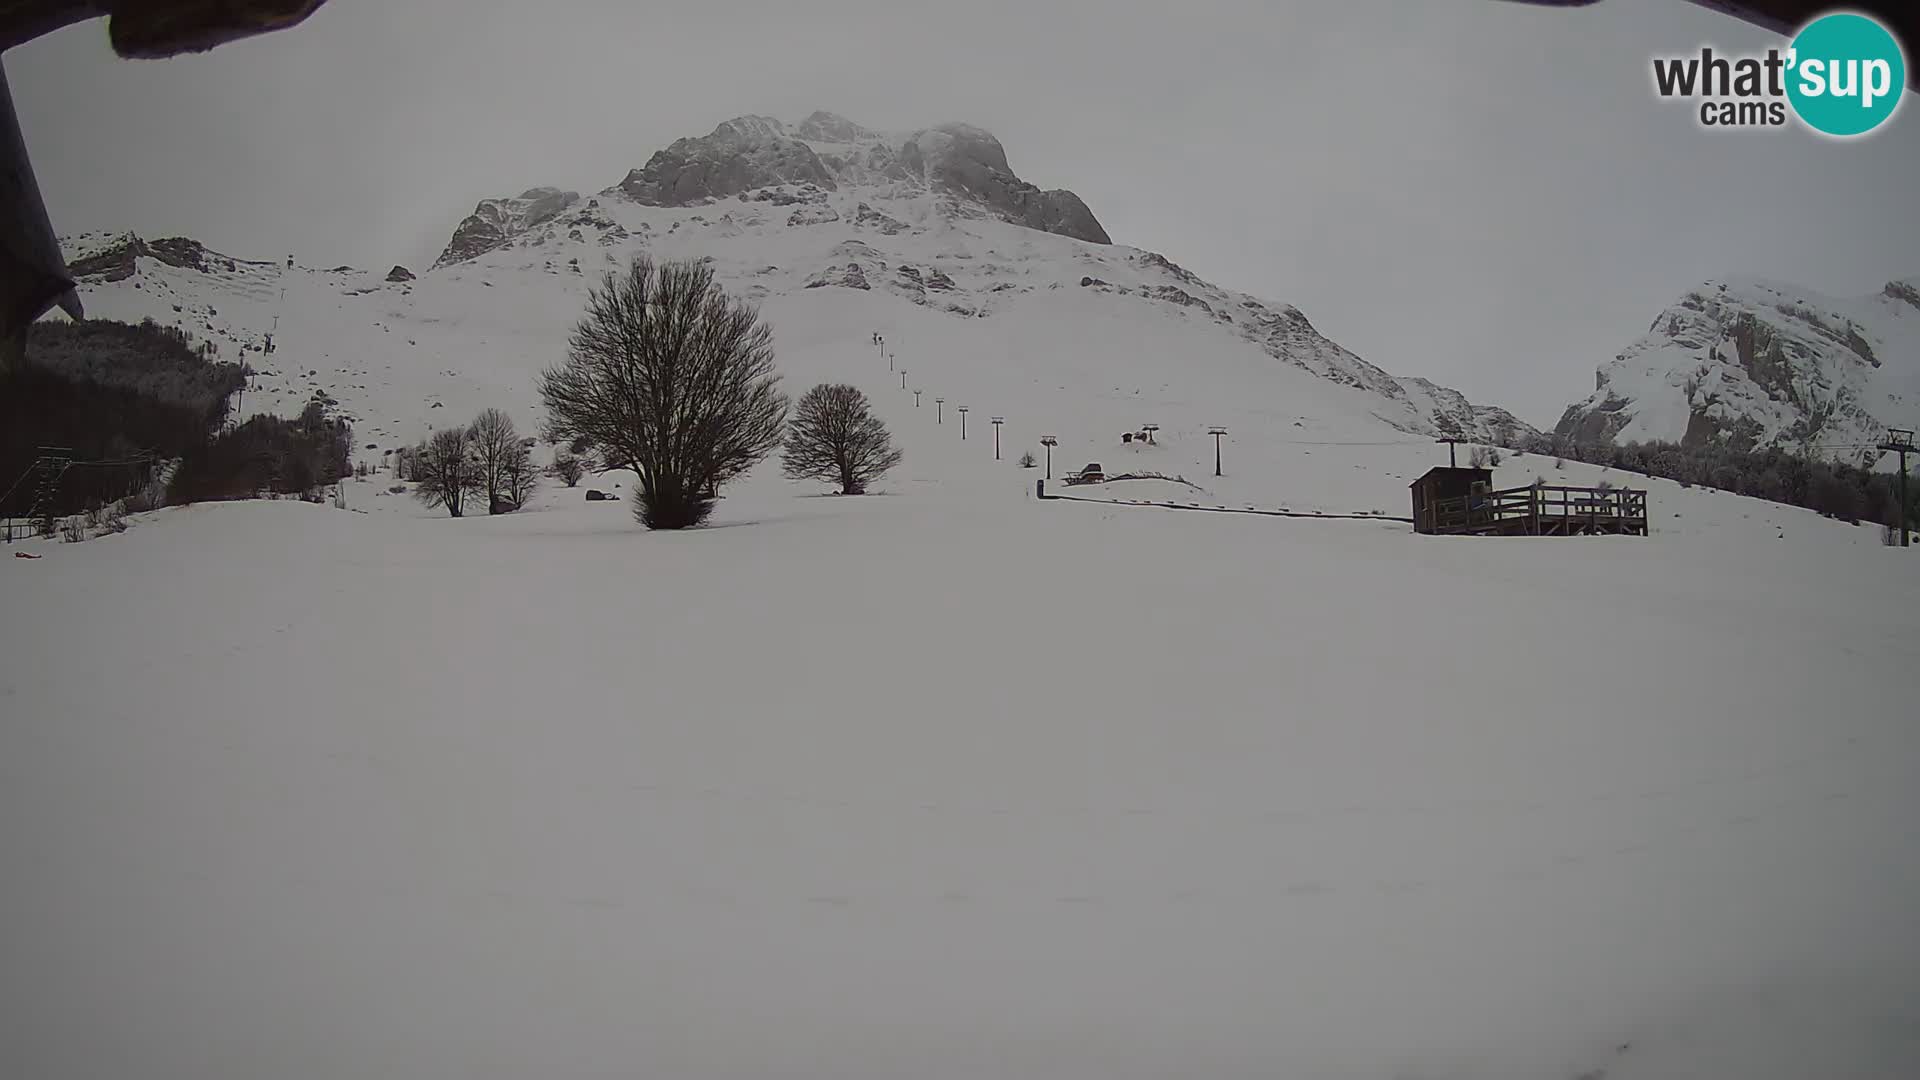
(1493, 458)
(443, 471)
(567, 468)
(73, 529)
(670, 377)
(1027, 460)
(151, 497)
(835, 437)
(1478, 458)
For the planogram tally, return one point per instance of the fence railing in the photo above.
(1511, 509)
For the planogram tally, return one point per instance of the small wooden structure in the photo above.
(1460, 502)
(1092, 474)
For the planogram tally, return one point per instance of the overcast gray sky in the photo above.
(1485, 194)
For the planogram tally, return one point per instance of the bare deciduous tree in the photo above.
(494, 444)
(668, 376)
(443, 471)
(518, 476)
(835, 437)
(566, 467)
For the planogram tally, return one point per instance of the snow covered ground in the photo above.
(946, 781)
(951, 782)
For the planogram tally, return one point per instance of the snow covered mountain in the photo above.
(1760, 363)
(934, 220)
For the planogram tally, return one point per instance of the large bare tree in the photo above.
(670, 377)
(502, 459)
(443, 471)
(835, 437)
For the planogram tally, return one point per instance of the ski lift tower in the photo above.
(1900, 441)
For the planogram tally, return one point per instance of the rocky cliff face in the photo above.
(826, 151)
(743, 154)
(117, 258)
(496, 221)
(970, 163)
(768, 160)
(1757, 364)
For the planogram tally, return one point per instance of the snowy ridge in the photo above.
(1759, 363)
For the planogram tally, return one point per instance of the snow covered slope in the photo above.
(1760, 363)
(949, 782)
(1002, 283)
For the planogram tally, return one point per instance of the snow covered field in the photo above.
(947, 781)
(953, 783)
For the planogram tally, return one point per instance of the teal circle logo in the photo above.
(1845, 75)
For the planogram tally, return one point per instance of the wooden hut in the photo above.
(1444, 482)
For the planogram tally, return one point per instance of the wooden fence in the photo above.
(1541, 510)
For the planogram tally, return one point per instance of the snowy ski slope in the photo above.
(944, 781)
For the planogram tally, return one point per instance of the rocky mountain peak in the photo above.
(832, 128)
(1755, 364)
(742, 154)
(496, 221)
(962, 161)
(747, 130)
(969, 163)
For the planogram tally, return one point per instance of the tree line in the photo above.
(106, 391)
(1838, 490)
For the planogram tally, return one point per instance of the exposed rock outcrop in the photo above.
(969, 162)
(1752, 364)
(742, 154)
(495, 222)
(761, 155)
(118, 258)
(831, 127)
